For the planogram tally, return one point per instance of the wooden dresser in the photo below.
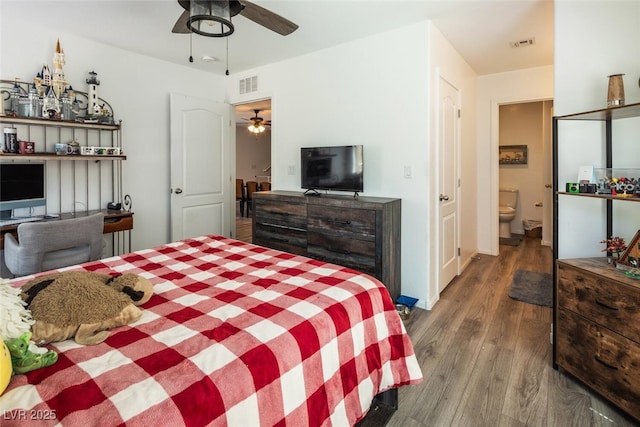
(598, 329)
(362, 233)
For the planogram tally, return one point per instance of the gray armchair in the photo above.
(48, 245)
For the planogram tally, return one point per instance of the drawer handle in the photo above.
(605, 363)
(600, 303)
(338, 221)
(284, 227)
(280, 239)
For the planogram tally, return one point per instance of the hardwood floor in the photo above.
(486, 359)
(243, 229)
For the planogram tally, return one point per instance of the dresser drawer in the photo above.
(348, 223)
(352, 253)
(271, 212)
(284, 238)
(604, 301)
(602, 359)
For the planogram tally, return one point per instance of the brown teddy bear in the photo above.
(83, 304)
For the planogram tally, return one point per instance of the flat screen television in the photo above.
(22, 185)
(337, 168)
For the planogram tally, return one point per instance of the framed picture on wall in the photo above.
(513, 154)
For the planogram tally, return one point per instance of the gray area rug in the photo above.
(532, 287)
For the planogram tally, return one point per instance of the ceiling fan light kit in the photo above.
(257, 127)
(210, 18)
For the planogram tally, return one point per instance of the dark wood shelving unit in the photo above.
(596, 333)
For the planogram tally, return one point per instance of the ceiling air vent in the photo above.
(523, 42)
(248, 85)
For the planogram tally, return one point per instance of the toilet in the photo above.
(507, 212)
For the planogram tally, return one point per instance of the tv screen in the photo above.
(332, 168)
(22, 185)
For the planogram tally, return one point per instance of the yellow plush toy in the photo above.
(5, 366)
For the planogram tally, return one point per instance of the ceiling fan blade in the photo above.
(181, 26)
(267, 19)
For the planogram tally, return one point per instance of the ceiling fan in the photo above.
(212, 18)
(257, 123)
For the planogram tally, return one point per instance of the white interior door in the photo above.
(547, 152)
(201, 198)
(448, 182)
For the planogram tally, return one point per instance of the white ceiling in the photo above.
(480, 30)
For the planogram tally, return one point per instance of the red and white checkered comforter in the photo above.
(235, 334)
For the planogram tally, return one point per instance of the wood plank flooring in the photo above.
(243, 229)
(486, 359)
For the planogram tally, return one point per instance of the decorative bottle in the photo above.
(33, 101)
(15, 98)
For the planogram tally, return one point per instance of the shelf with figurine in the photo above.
(25, 103)
(609, 184)
(49, 97)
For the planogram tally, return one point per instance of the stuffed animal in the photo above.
(15, 319)
(6, 369)
(83, 304)
(24, 360)
(15, 327)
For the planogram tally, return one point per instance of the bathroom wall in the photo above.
(522, 124)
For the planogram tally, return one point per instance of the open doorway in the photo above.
(525, 198)
(253, 158)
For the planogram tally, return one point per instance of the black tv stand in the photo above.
(312, 192)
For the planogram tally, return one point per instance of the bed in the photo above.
(235, 334)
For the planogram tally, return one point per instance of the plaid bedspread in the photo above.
(235, 334)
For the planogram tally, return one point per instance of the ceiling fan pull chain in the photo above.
(190, 46)
(227, 71)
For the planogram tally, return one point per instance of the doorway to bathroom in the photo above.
(526, 166)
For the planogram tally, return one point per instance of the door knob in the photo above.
(444, 197)
(547, 186)
(178, 191)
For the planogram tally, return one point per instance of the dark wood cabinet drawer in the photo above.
(282, 238)
(269, 212)
(348, 223)
(611, 303)
(281, 226)
(602, 359)
(352, 253)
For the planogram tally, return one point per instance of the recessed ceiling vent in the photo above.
(524, 42)
(248, 85)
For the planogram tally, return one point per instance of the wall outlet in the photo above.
(291, 170)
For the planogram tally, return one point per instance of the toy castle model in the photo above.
(50, 96)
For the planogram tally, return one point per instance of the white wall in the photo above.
(494, 89)
(137, 87)
(376, 92)
(593, 41)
